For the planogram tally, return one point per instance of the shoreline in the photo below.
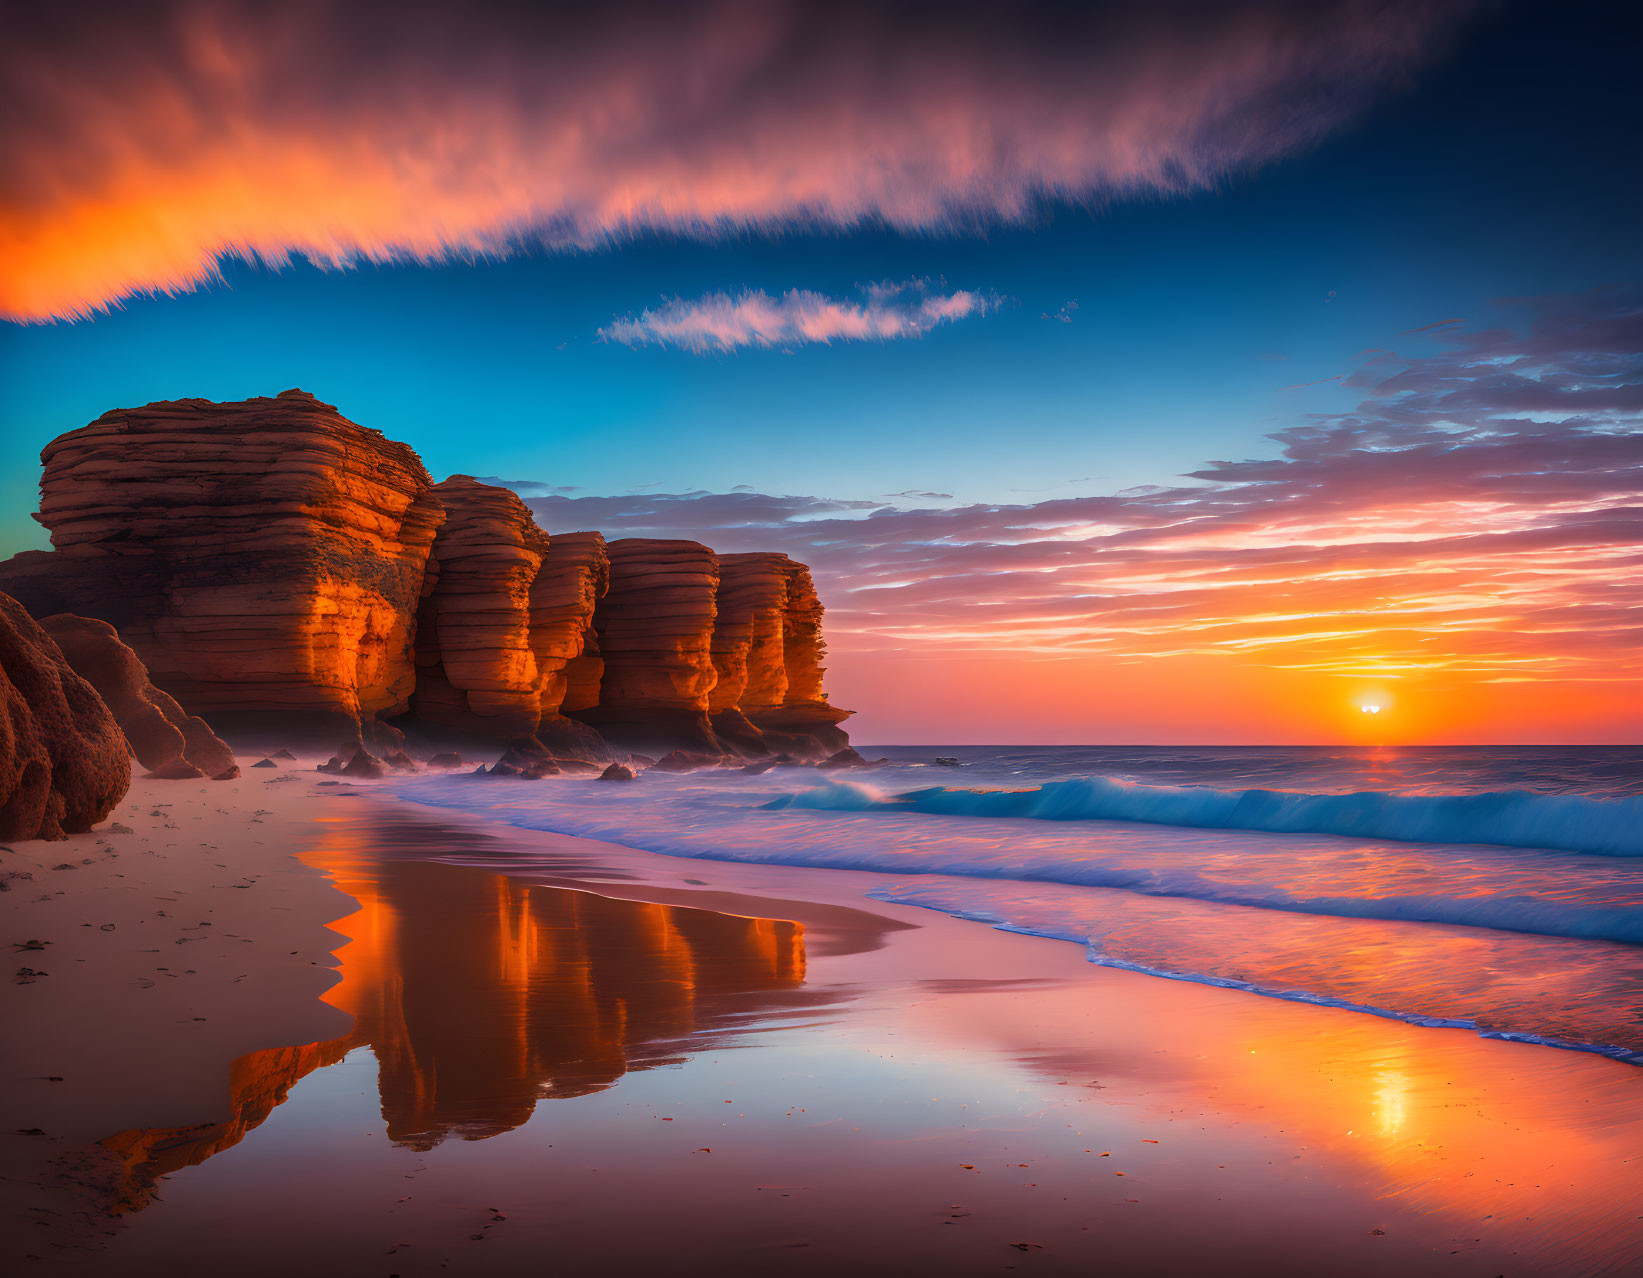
(265, 864)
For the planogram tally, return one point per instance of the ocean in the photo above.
(1494, 889)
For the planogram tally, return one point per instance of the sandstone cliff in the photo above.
(800, 721)
(277, 566)
(505, 616)
(655, 628)
(63, 760)
(264, 558)
(748, 652)
(574, 578)
(476, 667)
(165, 740)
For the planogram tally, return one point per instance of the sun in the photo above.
(1370, 708)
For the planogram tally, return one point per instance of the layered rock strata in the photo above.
(476, 667)
(63, 760)
(655, 629)
(264, 558)
(165, 740)
(507, 614)
(748, 646)
(277, 566)
(564, 597)
(799, 720)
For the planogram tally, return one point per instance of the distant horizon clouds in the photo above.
(151, 144)
(724, 322)
(1477, 518)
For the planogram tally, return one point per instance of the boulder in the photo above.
(161, 735)
(364, 764)
(617, 772)
(848, 758)
(686, 761)
(64, 762)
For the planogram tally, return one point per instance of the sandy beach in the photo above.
(348, 1005)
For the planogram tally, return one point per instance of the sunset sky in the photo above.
(1199, 376)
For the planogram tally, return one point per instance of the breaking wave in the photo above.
(1506, 818)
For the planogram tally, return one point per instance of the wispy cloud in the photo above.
(148, 143)
(726, 322)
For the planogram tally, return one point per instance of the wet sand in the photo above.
(624, 1062)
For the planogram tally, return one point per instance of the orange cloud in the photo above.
(146, 144)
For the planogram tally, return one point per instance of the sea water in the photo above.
(1498, 889)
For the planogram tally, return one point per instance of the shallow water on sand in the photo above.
(1498, 889)
(545, 1074)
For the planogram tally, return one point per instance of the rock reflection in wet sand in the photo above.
(480, 995)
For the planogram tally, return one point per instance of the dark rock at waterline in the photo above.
(848, 758)
(265, 763)
(685, 761)
(617, 772)
(364, 764)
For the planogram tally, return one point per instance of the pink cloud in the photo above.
(148, 143)
(720, 322)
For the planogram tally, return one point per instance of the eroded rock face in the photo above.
(63, 760)
(655, 630)
(504, 626)
(476, 666)
(263, 558)
(165, 740)
(800, 721)
(748, 652)
(574, 578)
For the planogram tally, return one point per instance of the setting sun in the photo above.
(1370, 709)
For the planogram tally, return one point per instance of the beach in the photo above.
(293, 1018)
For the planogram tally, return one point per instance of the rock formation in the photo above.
(574, 578)
(747, 646)
(800, 721)
(163, 738)
(264, 558)
(476, 668)
(767, 650)
(655, 628)
(63, 760)
(505, 617)
(278, 567)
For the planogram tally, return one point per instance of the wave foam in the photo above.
(1507, 818)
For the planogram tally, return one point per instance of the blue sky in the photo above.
(1261, 209)
(1500, 171)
